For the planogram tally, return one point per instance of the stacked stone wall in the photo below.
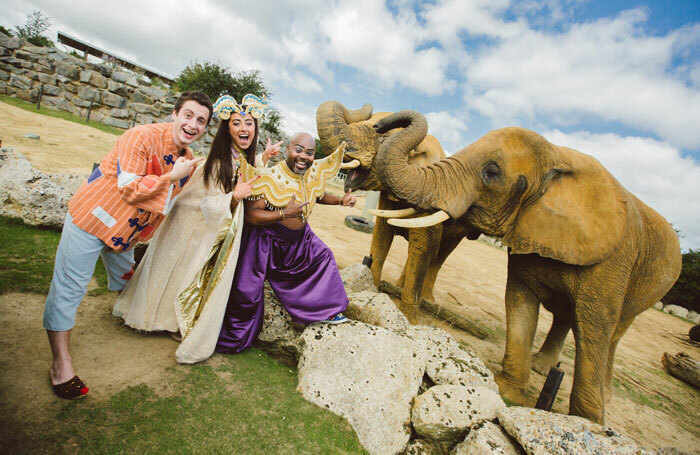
(113, 95)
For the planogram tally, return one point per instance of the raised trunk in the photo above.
(441, 186)
(332, 120)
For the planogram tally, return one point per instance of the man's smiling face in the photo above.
(300, 153)
(189, 123)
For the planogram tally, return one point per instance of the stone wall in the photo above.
(119, 98)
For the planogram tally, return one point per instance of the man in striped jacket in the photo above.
(122, 202)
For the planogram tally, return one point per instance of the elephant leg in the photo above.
(447, 246)
(619, 331)
(522, 311)
(421, 250)
(593, 332)
(399, 283)
(548, 355)
(382, 238)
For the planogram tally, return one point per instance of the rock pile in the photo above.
(413, 389)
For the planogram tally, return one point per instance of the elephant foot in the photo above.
(542, 362)
(595, 415)
(514, 393)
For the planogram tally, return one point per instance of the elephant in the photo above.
(578, 242)
(428, 247)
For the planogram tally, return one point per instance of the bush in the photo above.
(5, 31)
(33, 28)
(686, 291)
(216, 80)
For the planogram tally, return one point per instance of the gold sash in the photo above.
(193, 299)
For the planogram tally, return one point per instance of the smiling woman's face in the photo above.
(242, 129)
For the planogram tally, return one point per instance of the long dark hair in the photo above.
(219, 159)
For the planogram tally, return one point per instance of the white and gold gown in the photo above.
(183, 281)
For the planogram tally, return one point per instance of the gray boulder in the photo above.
(676, 310)
(376, 309)
(446, 413)
(542, 432)
(280, 336)
(368, 375)
(357, 278)
(28, 194)
(447, 362)
(488, 439)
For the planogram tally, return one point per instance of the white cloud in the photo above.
(367, 37)
(298, 117)
(607, 69)
(653, 171)
(448, 130)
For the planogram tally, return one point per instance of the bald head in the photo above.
(300, 152)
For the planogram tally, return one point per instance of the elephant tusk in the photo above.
(350, 165)
(393, 213)
(426, 221)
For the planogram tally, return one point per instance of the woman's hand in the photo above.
(270, 150)
(243, 189)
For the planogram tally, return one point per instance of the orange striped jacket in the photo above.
(127, 196)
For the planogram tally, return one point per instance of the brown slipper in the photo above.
(71, 389)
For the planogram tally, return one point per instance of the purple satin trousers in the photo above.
(301, 270)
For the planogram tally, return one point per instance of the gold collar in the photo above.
(278, 184)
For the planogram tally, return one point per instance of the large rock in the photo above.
(542, 432)
(488, 439)
(356, 277)
(280, 336)
(28, 194)
(693, 316)
(676, 310)
(446, 413)
(447, 362)
(368, 375)
(375, 309)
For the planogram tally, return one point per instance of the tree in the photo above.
(5, 31)
(686, 291)
(33, 29)
(216, 80)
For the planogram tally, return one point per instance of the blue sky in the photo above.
(619, 80)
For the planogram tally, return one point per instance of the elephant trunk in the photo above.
(332, 119)
(439, 186)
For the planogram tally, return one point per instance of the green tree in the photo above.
(686, 291)
(33, 29)
(5, 31)
(216, 80)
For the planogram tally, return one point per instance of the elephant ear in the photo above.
(578, 218)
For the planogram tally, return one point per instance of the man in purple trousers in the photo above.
(279, 246)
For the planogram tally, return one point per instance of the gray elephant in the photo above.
(579, 243)
(429, 247)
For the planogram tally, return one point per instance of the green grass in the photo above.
(27, 257)
(27, 106)
(246, 405)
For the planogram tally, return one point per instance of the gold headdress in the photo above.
(278, 184)
(251, 104)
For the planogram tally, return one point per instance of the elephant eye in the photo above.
(490, 172)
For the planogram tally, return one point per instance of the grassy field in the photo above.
(244, 404)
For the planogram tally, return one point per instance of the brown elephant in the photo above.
(579, 243)
(427, 247)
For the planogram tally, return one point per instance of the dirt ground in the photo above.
(111, 357)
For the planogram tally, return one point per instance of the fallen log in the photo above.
(683, 367)
(439, 311)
